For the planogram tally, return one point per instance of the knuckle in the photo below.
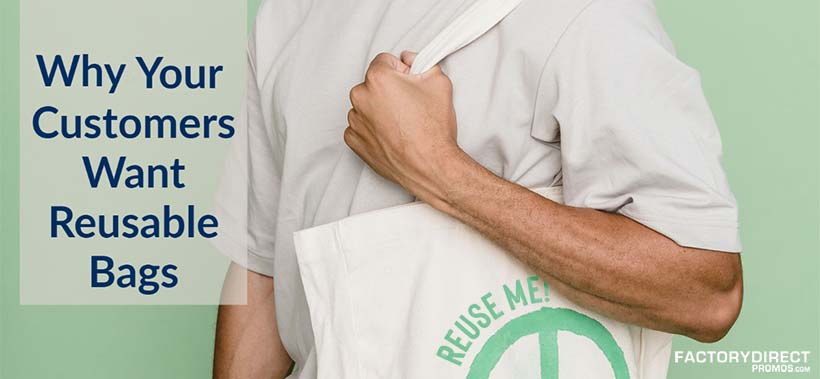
(445, 81)
(350, 120)
(355, 94)
(444, 84)
(349, 136)
(382, 57)
(373, 74)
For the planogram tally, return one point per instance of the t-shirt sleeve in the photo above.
(246, 201)
(637, 136)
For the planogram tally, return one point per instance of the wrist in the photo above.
(455, 170)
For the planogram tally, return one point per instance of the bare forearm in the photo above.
(602, 261)
(247, 339)
(404, 127)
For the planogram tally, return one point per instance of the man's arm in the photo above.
(404, 127)
(603, 261)
(247, 339)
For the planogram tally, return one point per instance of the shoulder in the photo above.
(275, 24)
(275, 19)
(617, 54)
(610, 25)
(615, 38)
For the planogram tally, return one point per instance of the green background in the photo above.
(760, 65)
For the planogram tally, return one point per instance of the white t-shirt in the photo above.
(587, 94)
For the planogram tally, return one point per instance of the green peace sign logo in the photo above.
(546, 323)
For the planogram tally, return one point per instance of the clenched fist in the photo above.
(402, 125)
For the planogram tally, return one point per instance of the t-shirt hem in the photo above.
(242, 255)
(714, 235)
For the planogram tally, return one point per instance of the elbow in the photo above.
(716, 314)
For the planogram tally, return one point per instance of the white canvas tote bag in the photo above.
(409, 292)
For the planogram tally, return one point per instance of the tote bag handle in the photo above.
(480, 17)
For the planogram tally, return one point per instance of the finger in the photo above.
(354, 120)
(352, 139)
(408, 57)
(350, 118)
(356, 94)
(357, 143)
(383, 57)
(391, 61)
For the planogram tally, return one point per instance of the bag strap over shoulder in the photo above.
(476, 20)
(480, 17)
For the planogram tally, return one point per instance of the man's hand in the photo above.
(402, 125)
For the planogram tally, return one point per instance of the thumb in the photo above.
(408, 57)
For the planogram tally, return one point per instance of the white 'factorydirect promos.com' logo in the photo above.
(760, 361)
